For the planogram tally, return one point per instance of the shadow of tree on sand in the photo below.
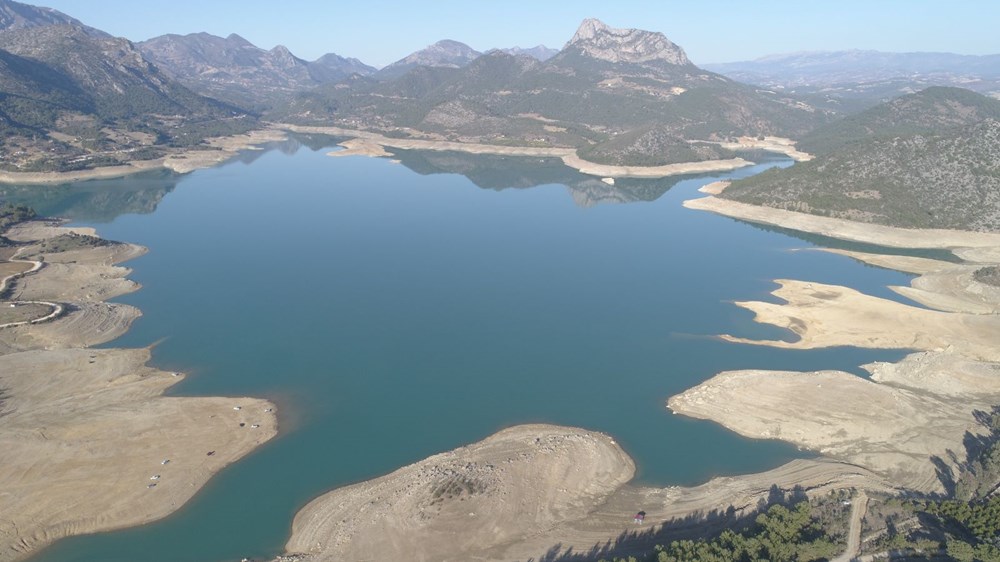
(700, 524)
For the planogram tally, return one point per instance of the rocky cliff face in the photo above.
(597, 40)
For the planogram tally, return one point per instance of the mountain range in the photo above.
(864, 78)
(235, 70)
(602, 86)
(925, 160)
(72, 96)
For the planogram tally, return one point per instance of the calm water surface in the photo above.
(396, 311)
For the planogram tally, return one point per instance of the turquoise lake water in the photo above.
(394, 311)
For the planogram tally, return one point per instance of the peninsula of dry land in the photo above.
(519, 495)
(90, 442)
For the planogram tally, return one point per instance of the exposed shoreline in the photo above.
(220, 150)
(532, 490)
(373, 144)
(778, 145)
(86, 431)
(946, 379)
(365, 143)
(879, 435)
(911, 412)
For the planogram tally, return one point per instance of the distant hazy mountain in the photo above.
(15, 15)
(334, 68)
(445, 54)
(539, 52)
(236, 70)
(604, 85)
(934, 109)
(866, 75)
(927, 160)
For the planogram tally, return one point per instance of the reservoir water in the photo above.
(394, 311)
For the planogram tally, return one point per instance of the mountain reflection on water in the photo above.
(98, 201)
(101, 201)
(498, 172)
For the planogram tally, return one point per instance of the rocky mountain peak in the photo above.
(445, 53)
(451, 50)
(15, 15)
(597, 40)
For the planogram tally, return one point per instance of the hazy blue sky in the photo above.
(380, 31)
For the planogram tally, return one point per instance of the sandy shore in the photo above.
(893, 237)
(893, 425)
(778, 145)
(898, 430)
(374, 143)
(217, 150)
(360, 147)
(85, 431)
(526, 492)
(603, 170)
(913, 417)
(831, 315)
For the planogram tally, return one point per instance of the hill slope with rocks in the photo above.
(931, 160)
(71, 99)
(235, 70)
(604, 83)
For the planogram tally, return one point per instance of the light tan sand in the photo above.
(714, 188)
(225, 148)
(429, 144)
(886, 432)
(673, 511)
(987, 243)
(910, 413)
(771, 144)
(515, 483)
(568, 155)
(830, 315)
(360, 147)
(603, 170)
(943, 286)
(533, 487)
(84, 430)
(914, 411)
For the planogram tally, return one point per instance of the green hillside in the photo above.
(944, 179)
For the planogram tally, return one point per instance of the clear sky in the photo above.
(381, 31)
